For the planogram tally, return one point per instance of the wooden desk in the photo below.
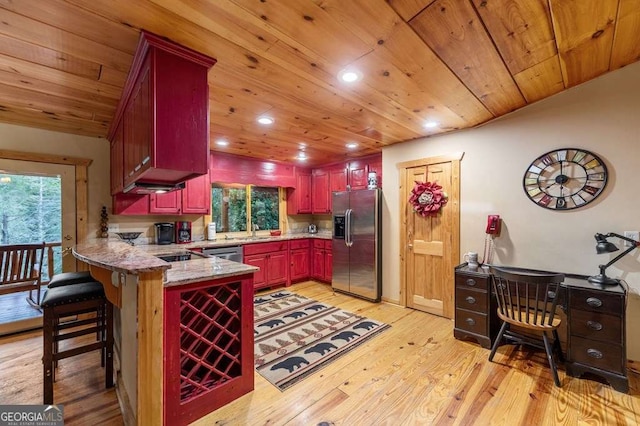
(596, 330)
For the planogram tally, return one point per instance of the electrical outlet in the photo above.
(114, 227)
(635, 235)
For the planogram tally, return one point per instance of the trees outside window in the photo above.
(31, 211)
(232, 206)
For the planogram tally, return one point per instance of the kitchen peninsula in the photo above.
(183, 330)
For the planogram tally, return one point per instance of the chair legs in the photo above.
(549, 351)
(548, 347)
(498, 340)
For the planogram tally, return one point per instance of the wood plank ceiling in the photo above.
(459, 63)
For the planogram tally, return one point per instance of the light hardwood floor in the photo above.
(415, 373)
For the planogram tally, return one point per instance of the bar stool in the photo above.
(70, 300)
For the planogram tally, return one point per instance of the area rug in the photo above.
(296, 336)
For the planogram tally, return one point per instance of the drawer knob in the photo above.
(471, 282)
(551, 294)
(470, 321)
(470, 300)
(594, 302)
(594, 325)
(594, 353)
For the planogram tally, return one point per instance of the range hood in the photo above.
(152, 188)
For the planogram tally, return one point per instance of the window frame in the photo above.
(248, 190)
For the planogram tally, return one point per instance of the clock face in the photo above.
(564, 179)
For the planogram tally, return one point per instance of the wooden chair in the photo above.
(528, 300)
(20, 270)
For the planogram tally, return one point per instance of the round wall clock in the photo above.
(565, 178)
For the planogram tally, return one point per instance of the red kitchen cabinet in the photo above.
(273, 261)
(322, 260)
(299, 198)
(259, 260)
(299, 255)
(168, 203)
(196, 196)
(164, 111)
(208, 347)
(337, 182)
(117, 153)
(358, 170)
(320, 191)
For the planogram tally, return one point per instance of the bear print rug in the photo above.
(296, 336)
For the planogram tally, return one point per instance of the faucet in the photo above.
(254, 228)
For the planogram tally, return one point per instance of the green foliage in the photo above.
(229, 208)
(31, 212)
(265, 210)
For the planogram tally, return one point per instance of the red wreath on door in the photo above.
(428, 198)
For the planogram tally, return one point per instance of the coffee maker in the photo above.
(164, 232)
(183, 232)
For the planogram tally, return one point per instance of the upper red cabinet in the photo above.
(299, 198)
(162, 116)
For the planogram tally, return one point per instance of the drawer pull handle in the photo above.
(594, 325)
(594, 302)
(594, 353)
(470, 300)
(471, 282)
(470, 321)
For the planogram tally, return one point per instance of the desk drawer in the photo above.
(596, 301)
(473, 322)
(605, 356)
(471, 299)
(594, 325)
(469, 281)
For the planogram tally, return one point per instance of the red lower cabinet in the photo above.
(299, 255)
(273, 261)
(208, 346)
(322, 261)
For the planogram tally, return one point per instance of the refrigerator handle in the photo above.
(348, 237)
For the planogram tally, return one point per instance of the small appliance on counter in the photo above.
(313, 229)
(211, 231)
(183, 232)
(164, 232)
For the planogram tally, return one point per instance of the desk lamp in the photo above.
(604, 246)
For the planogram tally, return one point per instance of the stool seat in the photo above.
(68, 278)
(72, 293)
(71, 311)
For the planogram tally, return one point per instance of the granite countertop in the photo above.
(221, 241)
(119, 256)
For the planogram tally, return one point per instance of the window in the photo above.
(234, 208)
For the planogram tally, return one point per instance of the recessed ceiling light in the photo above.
(431, 124)
(222, 142)
(302, 156)
(352, 145)
(349, 75)
(302, 145)
(265, 120)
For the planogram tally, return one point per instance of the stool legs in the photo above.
(51, 330)
(47, 359)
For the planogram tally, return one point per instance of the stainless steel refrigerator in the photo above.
(357, 243)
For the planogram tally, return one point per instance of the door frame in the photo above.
(453, 204)
(81, 178)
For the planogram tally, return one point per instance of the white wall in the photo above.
(602, 116)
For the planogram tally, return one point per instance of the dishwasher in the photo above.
(233, 253)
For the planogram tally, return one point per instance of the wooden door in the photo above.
(260, 276)
(431, 244)
(168, 203)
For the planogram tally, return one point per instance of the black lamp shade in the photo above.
(605, 247)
